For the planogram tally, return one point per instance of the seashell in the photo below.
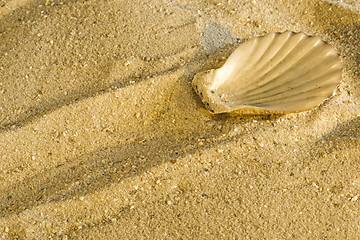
(277, 73)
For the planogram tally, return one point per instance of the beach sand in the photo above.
(103, 137)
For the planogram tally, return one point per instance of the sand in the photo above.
(102, 136)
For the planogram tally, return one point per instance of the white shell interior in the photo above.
(279, 72)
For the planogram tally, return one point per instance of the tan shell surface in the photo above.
(276, 73)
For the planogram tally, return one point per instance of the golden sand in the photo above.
(102, 136)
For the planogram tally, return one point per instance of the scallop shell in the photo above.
(276, 73)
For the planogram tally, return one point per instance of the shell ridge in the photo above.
(257, 51)
(262, 61)
(287, 42)
(298, 96)
(227, 67)
(260, 56)
(296, 68)
(280, 76)
(285, 88)
(275, 67)
(239, 68)
(285, 108)
(280, 96)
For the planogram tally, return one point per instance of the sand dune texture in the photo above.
(102, 136)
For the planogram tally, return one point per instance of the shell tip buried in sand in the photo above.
(276, 73)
